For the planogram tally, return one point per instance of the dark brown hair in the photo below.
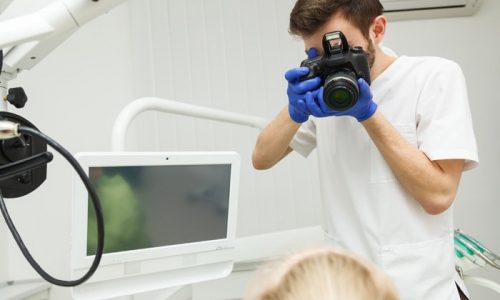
(308, 16)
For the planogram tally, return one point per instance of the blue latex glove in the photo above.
(297, 90)
(364, 108)
(305, 98)
(312, 53)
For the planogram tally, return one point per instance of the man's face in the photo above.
(353, 35)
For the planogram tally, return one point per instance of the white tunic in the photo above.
(366, 210)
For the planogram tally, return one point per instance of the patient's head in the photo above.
(324, 274)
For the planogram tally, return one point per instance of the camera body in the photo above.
(339, 68)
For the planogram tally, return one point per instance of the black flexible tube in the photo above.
(95, 202)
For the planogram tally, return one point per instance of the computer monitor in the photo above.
(170, 220)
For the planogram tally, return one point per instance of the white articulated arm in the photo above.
(26, 40)
(133, 109)
(86, 10)
(482, 282)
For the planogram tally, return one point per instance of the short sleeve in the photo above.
(304, 140)
(444, 122)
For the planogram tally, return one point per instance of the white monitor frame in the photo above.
(151, 268)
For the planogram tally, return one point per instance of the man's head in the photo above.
(361, 21)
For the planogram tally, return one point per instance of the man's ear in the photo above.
(377, 29)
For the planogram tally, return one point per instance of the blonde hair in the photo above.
(325, 274)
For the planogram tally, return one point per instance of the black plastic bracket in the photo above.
(23, 161)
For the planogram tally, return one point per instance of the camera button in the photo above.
(357, 49)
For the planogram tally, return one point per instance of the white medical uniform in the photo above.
(366, 210)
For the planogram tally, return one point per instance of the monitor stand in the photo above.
(131, 285)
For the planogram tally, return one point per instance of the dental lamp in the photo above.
(24, 42)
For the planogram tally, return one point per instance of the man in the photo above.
(390, 165)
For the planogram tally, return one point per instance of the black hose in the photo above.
(95, 202)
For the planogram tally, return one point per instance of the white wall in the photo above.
(228, 55)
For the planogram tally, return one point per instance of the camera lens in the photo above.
(341, 90)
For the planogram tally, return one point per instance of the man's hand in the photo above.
(305, 98)
(301, 103)
(364, 108)
(298, 91)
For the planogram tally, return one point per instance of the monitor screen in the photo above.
(156, 206)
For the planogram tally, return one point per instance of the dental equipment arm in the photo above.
(27, 40)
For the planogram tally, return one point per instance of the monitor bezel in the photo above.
(80, 259)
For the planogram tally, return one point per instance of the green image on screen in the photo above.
(155, 206)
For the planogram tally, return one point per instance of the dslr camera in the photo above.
(339, 68)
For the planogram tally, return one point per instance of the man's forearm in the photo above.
(272, 143)
(432, 184)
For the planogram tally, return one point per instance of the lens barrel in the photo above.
(341, 90)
